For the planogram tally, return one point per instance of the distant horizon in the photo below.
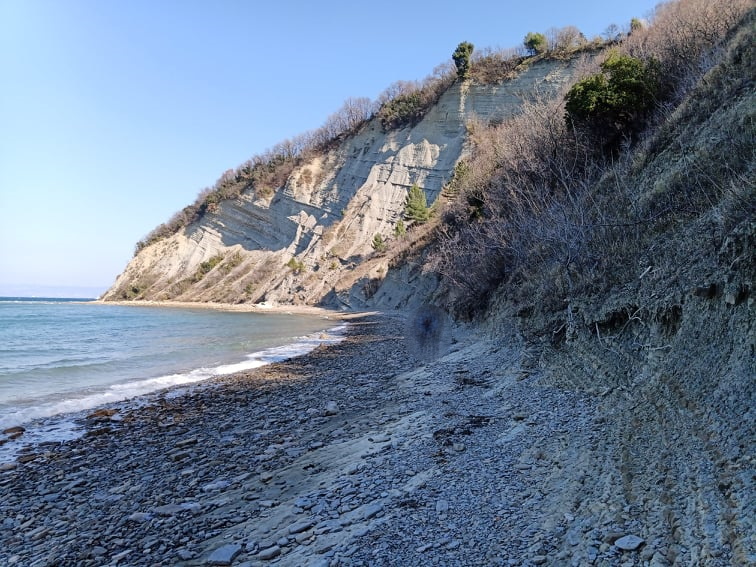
(43, 297)
(51, 291)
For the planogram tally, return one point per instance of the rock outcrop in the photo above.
(328, 212)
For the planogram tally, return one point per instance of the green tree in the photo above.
(400, 230)
(536, 43)
(614, 102)
(636, 25)
(461, 58)
(379, 245)
(416, 205)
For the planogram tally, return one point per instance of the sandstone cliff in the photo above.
(327, 213)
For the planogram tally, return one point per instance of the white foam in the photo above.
(62, 429)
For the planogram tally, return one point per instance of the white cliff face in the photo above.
(328, 212)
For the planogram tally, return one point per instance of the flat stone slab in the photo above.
(269, 553)
(629, 543)
(224, 555)
(301, 526)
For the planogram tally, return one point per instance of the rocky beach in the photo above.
(355, 454)
(543, 257)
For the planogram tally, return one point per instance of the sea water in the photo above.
(59, 356)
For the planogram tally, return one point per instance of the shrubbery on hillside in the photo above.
(614, 103)
(405, 102)
(543, 209)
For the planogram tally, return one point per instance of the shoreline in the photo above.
(354, 454)
(318, 460)
(243, 308)
(46, 428)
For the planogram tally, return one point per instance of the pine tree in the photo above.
(416, 205)
(461, 58)
(536, 43)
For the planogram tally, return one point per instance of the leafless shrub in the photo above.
(521, 208)
(682, 36)
(564, 39)
(491, 66)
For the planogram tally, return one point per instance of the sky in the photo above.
(116, 114)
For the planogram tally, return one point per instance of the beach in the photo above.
(354, 454)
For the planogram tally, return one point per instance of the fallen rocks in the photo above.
(393, 477)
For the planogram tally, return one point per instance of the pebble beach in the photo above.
(354, 454)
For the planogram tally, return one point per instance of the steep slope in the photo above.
(328, 212)
(667, 348)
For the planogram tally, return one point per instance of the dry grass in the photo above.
(544, 217)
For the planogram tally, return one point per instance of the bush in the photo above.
(536, 43)
(416, 205)
(683, 36)
(379, 245)
(405, 103)
(613, 103)
(205, 267)
(296, 266)
(400, 230)
(403, 110)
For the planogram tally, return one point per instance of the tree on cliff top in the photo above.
(461, 58)
(536, 43)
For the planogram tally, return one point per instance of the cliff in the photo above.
(327, 213)
(635, 297)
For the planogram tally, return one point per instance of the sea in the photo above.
(61, 357)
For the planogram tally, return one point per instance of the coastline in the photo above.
(329, 458)
(52, 419)
(354, 454)
(243, 308)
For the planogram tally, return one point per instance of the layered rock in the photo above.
(328, 212)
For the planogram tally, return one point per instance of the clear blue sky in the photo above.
(115, 114)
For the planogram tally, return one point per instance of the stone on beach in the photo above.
(224, 555)
(102, 413)
(629, 543)
(269, 553)
(331, 408)
(14, 430)
(301, 526)
(140, 517)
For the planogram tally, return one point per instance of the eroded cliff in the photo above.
(326, 215)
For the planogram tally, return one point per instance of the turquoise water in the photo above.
(59, 356)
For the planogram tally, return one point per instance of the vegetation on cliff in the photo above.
(551, 201)
(551, 207)
(401, 104)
